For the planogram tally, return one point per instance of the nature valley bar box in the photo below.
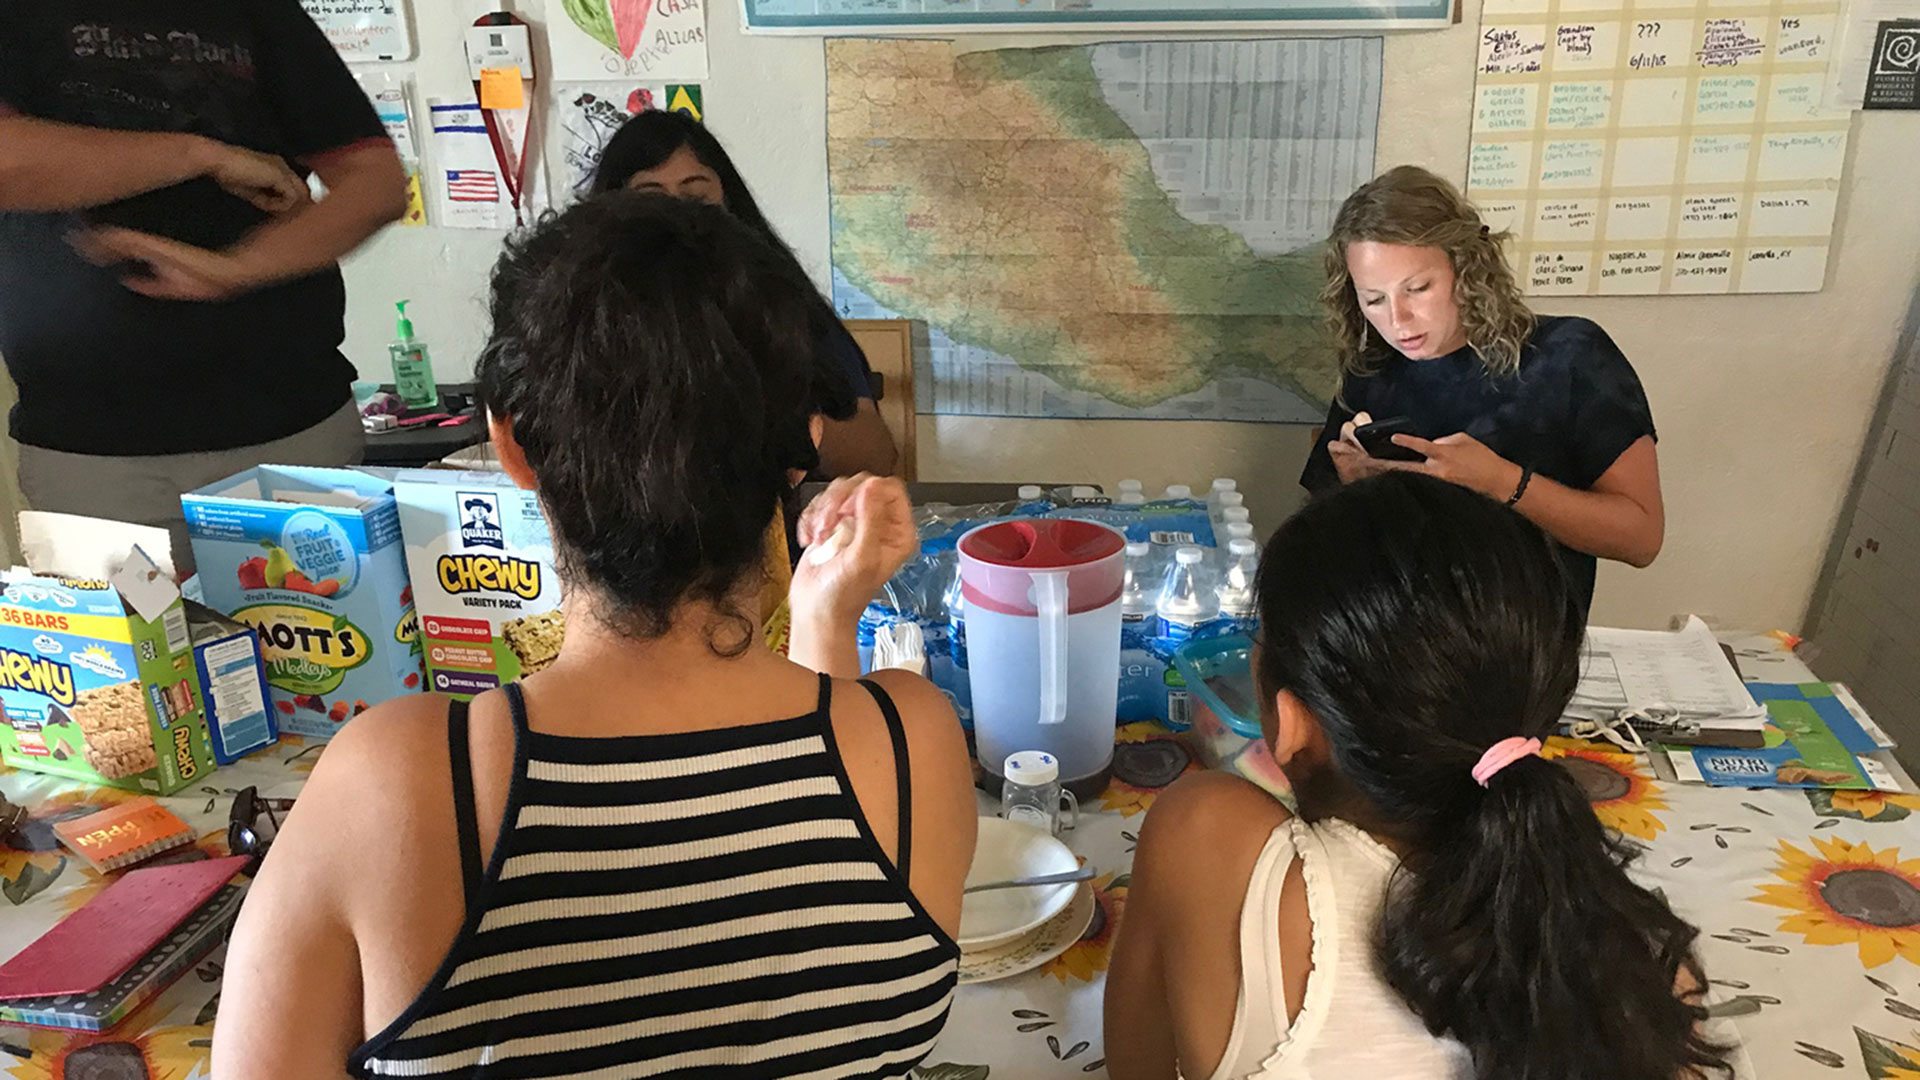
(94, 690)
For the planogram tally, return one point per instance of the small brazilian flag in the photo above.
(684, 100)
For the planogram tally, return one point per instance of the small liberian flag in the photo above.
(472, 185)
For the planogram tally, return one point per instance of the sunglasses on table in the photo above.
(253, 824)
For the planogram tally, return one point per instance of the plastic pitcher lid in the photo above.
(1189, 556)
(1000, 562)
(1238, 547)
(1032, 768)
(1042, 544)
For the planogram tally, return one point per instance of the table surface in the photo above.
(420, 446)
(1833, 965)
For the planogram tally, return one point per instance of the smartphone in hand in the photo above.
(1377, 439)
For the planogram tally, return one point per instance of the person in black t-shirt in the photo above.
(670, 154)
(1542, 413)
(170, 304)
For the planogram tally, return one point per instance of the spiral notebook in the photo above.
(116, 929)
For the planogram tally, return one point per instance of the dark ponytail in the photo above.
(1422, 624)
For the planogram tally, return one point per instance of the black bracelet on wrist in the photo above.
(1526, 474)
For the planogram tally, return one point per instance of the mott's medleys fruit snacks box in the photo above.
(481, 559)
(99, 687)
(311, 559)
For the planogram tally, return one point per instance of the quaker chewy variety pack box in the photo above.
(311, 559)
(100, 686)
(481, 558)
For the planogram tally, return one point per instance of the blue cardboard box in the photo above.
(233, 684)
(311, 560)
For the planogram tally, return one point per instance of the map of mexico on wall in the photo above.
(810, 17)
(654, 40)
(1118, 231)
(1658, 146)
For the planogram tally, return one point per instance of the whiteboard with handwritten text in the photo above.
(364, 30)
(1658, 146)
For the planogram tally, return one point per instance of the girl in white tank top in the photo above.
(1445, 905)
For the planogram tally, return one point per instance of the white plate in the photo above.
(1054, 937)
(1008, 850)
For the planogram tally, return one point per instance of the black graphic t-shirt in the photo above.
(1571, 411)
(101, 369)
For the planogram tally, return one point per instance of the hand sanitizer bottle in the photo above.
(412, 371)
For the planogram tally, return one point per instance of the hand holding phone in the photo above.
(1377, 439)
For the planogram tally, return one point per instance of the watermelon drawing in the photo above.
(617, 24)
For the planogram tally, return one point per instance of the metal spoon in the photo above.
(1085, 873)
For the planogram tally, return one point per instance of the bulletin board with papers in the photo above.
(1658, 146)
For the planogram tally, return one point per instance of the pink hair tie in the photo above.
(1502, 754)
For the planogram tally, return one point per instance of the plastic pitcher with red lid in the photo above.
(1043, 642)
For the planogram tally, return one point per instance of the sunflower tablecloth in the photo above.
(1808, 906)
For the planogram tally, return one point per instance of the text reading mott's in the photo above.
(481, 559)
(311, 559)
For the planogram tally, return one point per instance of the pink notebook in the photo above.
(101, 941)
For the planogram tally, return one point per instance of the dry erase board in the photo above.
(364, 30)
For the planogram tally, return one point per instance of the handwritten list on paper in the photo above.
(1662, 146)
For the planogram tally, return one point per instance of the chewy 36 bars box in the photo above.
(481, 558)
(94, 690)
(311, 559)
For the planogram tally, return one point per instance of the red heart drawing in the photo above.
(630, 22)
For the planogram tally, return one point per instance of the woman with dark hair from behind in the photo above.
(1446, 904)
(667, 153)
(672, 850)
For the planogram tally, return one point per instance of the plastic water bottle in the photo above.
(1130, 498)
(1229, 500)
(1235, 515)
(962, 688)
(1179, 491)
(1238, 600)
(1130, 487)
(1186, 601)
(1221, 486)
(943, 581)
(1238, 530)
(1029, 492)
(1138, 600)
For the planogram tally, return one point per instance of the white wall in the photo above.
(1762, 401)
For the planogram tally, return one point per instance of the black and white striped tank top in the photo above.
(706, 903)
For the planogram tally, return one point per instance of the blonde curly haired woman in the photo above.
(1542, 413)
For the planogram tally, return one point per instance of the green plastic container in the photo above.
(1226, 712)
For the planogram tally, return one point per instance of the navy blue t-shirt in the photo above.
(851, 360)
(1568, 414)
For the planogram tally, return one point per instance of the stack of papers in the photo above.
(1684, 672)
(1812, 735)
